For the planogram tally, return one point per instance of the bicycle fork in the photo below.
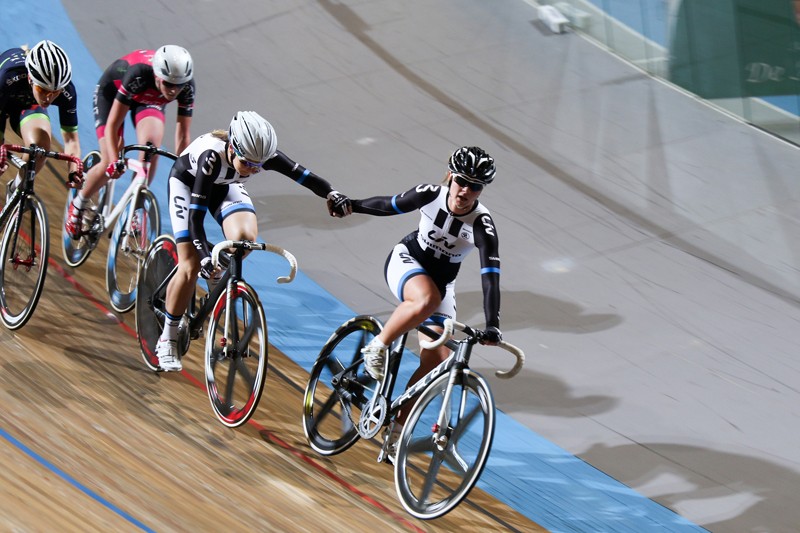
(16, 227)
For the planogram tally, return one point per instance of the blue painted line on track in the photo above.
(537, 478)
(72, 481)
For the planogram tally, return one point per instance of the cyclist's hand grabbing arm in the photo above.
(339, 205)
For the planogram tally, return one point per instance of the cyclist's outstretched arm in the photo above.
(398, 204)
(298, 173)
(338, 204)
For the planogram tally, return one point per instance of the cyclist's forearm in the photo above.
(72, 146)
(300, 174)
(182, 134)
(380, 206)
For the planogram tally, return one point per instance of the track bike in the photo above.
(448, 434)
(25, 248)
(135, 220)
(235, 358)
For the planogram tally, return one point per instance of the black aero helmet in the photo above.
(472, 163)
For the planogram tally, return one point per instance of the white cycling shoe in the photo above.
(375, 360)
(168, 358)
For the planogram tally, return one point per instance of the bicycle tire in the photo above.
(235, 381)
(24, 262)
(160, 260)
(126, 253)
(425, 489)
(331, 411)
(77, 251)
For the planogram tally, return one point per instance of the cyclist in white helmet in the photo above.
(209, 176)
(143, 82)
(30, 81)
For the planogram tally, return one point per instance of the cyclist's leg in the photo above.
(236, 214)
(419, 296)
(428, 360)
(181, 287)
(149, 123)
(107, 112)
(34, 128)
(415, 288)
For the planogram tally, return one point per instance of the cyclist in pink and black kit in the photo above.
(143, 82)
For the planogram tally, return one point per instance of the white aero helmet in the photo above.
(48, 66)
(252, 137)
(173, 64)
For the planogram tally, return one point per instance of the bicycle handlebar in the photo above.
(450, 325)
(149, 149)
(249, 245)
(33, 149)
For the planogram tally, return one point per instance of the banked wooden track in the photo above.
(93, 441)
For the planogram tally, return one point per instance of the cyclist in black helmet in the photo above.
(421, 269)
(30, 81)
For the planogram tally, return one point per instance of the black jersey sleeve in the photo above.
(411, 200)
(208, 169)
(301, 175)
(488, 245)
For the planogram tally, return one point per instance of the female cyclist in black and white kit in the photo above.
(209, 176)
(421, 269)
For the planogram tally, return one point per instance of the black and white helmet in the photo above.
(48, 66)
(173, 64)
(252, 137)
(472, 163)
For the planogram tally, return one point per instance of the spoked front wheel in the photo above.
(24, 256)
(128, 248)
(76, 251)
(160, 262)
(435, 470)
(339, 387)
(236, 355)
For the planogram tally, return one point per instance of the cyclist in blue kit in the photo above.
(30, 82)
(421, 269)
(209, 176)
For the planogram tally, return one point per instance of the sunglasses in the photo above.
(169, 85)
(247, 163)
(45, 92)
(463, 181)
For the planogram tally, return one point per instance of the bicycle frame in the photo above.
(141, 179)
(26, 187)
(458, 360)
(198, 312)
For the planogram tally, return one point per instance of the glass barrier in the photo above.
(740, 55)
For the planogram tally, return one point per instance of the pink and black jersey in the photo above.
(131, 80)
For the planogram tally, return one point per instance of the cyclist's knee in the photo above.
(188, 271)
